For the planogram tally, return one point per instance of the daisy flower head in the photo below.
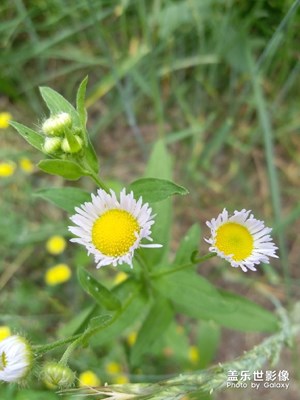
(113, 229)
(15, 358)
(241, 239)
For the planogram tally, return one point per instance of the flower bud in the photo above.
(56, 375)
(75, 148)
(16, 358)
(56, 125)
(51, 145)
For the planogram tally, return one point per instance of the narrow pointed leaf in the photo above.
(57, 103)
(100, 321)
(80, 102)
(100, 293)
(35, 139)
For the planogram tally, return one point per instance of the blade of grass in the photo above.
(268, 135)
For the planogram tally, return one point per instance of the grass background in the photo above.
(217, 80)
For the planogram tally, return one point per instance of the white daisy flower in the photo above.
(241, 239)
(15, 358)
(112, 230)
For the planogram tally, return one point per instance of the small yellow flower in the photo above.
(193, 354)
(120, 277)
(57, 274)
(89, 378)
(7, 169)
(26, 165)
(121, 379)
(56, 245)
(131, 338)
(4, 332)
(5, 117)
(113, 368)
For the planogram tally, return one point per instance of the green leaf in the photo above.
(77, 323)
(34, 138)
(188, 244)
(80, 102)
(91, 156)
(66, 198)
(160, 166)
(175, 339)
(100, 321)
(134, 305)
(155, 324)
(153, 190)
(193, 295)
(247, 316)
(57, 103)
(208, 342)
(67, 169)
(100, 293)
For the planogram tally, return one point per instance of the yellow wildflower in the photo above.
(193, 354)
(57, 274)
(4, 332)
(113, 368)
(56, 244)
(131, 338)
(7, 169)
(89, 378)
(26, 165)
(121, 379)
(5, 117)
(120, 277)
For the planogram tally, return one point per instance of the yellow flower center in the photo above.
(3, 361)
(114, 231)
(234, 239)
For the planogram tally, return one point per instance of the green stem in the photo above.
(43, 348)
(98, 181)
(145, 270)
(91, 332)
(184, 266)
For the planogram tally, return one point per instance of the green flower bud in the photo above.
(51, 145)
(76, 147)
(56, 375)
(56, 125)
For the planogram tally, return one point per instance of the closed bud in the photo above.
(76, 145)
(51, 145)
(56, 375)
(16, 359)
(56, 125)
